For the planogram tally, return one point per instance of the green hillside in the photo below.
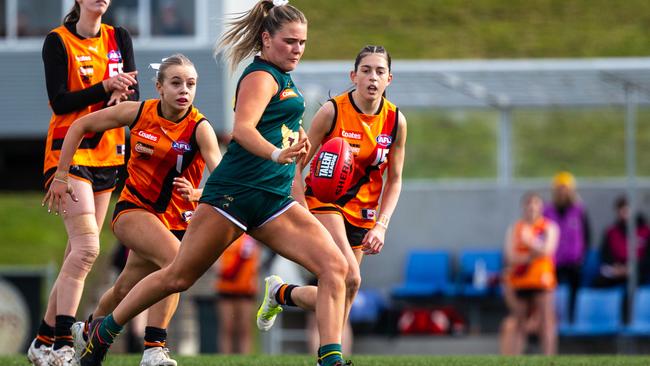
(449, 29)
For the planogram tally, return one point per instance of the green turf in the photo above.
(444, 29)
(377, 360)
(590, 142)
(31, 236)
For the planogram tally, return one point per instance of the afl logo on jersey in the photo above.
(181, 146)
(114, 55)
(384, 140)
(288, 93)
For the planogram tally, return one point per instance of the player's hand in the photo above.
(186, 190)
(120, 81)
(55, 196)
(373, 241)
(118, 96)
(302, 158)
(291, 153)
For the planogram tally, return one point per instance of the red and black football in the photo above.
(331, 170)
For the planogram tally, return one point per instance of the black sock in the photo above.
(154, 337)
(283, 295)
(62, 333)
(45, 335)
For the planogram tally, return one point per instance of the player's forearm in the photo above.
(390, 196)
(251, 140)
(71, 143)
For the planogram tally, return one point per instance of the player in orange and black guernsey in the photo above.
(88, 66)
(376, 131)
(171, 144)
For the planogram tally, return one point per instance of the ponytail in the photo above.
(243, 37)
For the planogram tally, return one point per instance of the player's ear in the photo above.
(266, 39)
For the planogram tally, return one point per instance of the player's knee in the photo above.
(352, 287)
(82, 257)
(334, 270)
(88, 255)
(338, 266)
(84, 241)
(178, 282)
(352, 282)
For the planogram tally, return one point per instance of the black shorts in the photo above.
(101, 178)
(527, 294)
(233, 296)
(122, 206)
(355, 234)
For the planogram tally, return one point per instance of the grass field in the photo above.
(443, 29)
(377, 360)
(590, 142)
(31, 236)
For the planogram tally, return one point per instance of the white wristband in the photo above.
(275, 155)
(385, 226)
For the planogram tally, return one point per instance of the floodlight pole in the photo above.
(630, 159)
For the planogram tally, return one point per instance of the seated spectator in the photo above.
(614, 250)
(530, 280)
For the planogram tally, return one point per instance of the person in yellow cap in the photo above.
(567, 210)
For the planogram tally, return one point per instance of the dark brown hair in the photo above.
(73, 14)
(368, 50)
(243, 37)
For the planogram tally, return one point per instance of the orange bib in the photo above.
(539, 273)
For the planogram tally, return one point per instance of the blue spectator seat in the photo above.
(493, 261)
(597, 313)
(640, 318)
(427, 274)
(367, 306)
(590, 268)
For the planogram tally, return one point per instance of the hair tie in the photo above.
(280, 2)
(156, 65)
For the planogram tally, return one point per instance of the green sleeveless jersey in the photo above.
(279, 125)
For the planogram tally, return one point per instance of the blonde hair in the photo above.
(243, 37)
(173, 60)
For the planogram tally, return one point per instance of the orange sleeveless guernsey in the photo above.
(238, 267)
(90, 61)
(160, 151)
(370, 137)
(539, 273)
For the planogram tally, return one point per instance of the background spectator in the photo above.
(568, 212)
(529, 279)
(169, 20)
(614, 251)
(237, 287)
